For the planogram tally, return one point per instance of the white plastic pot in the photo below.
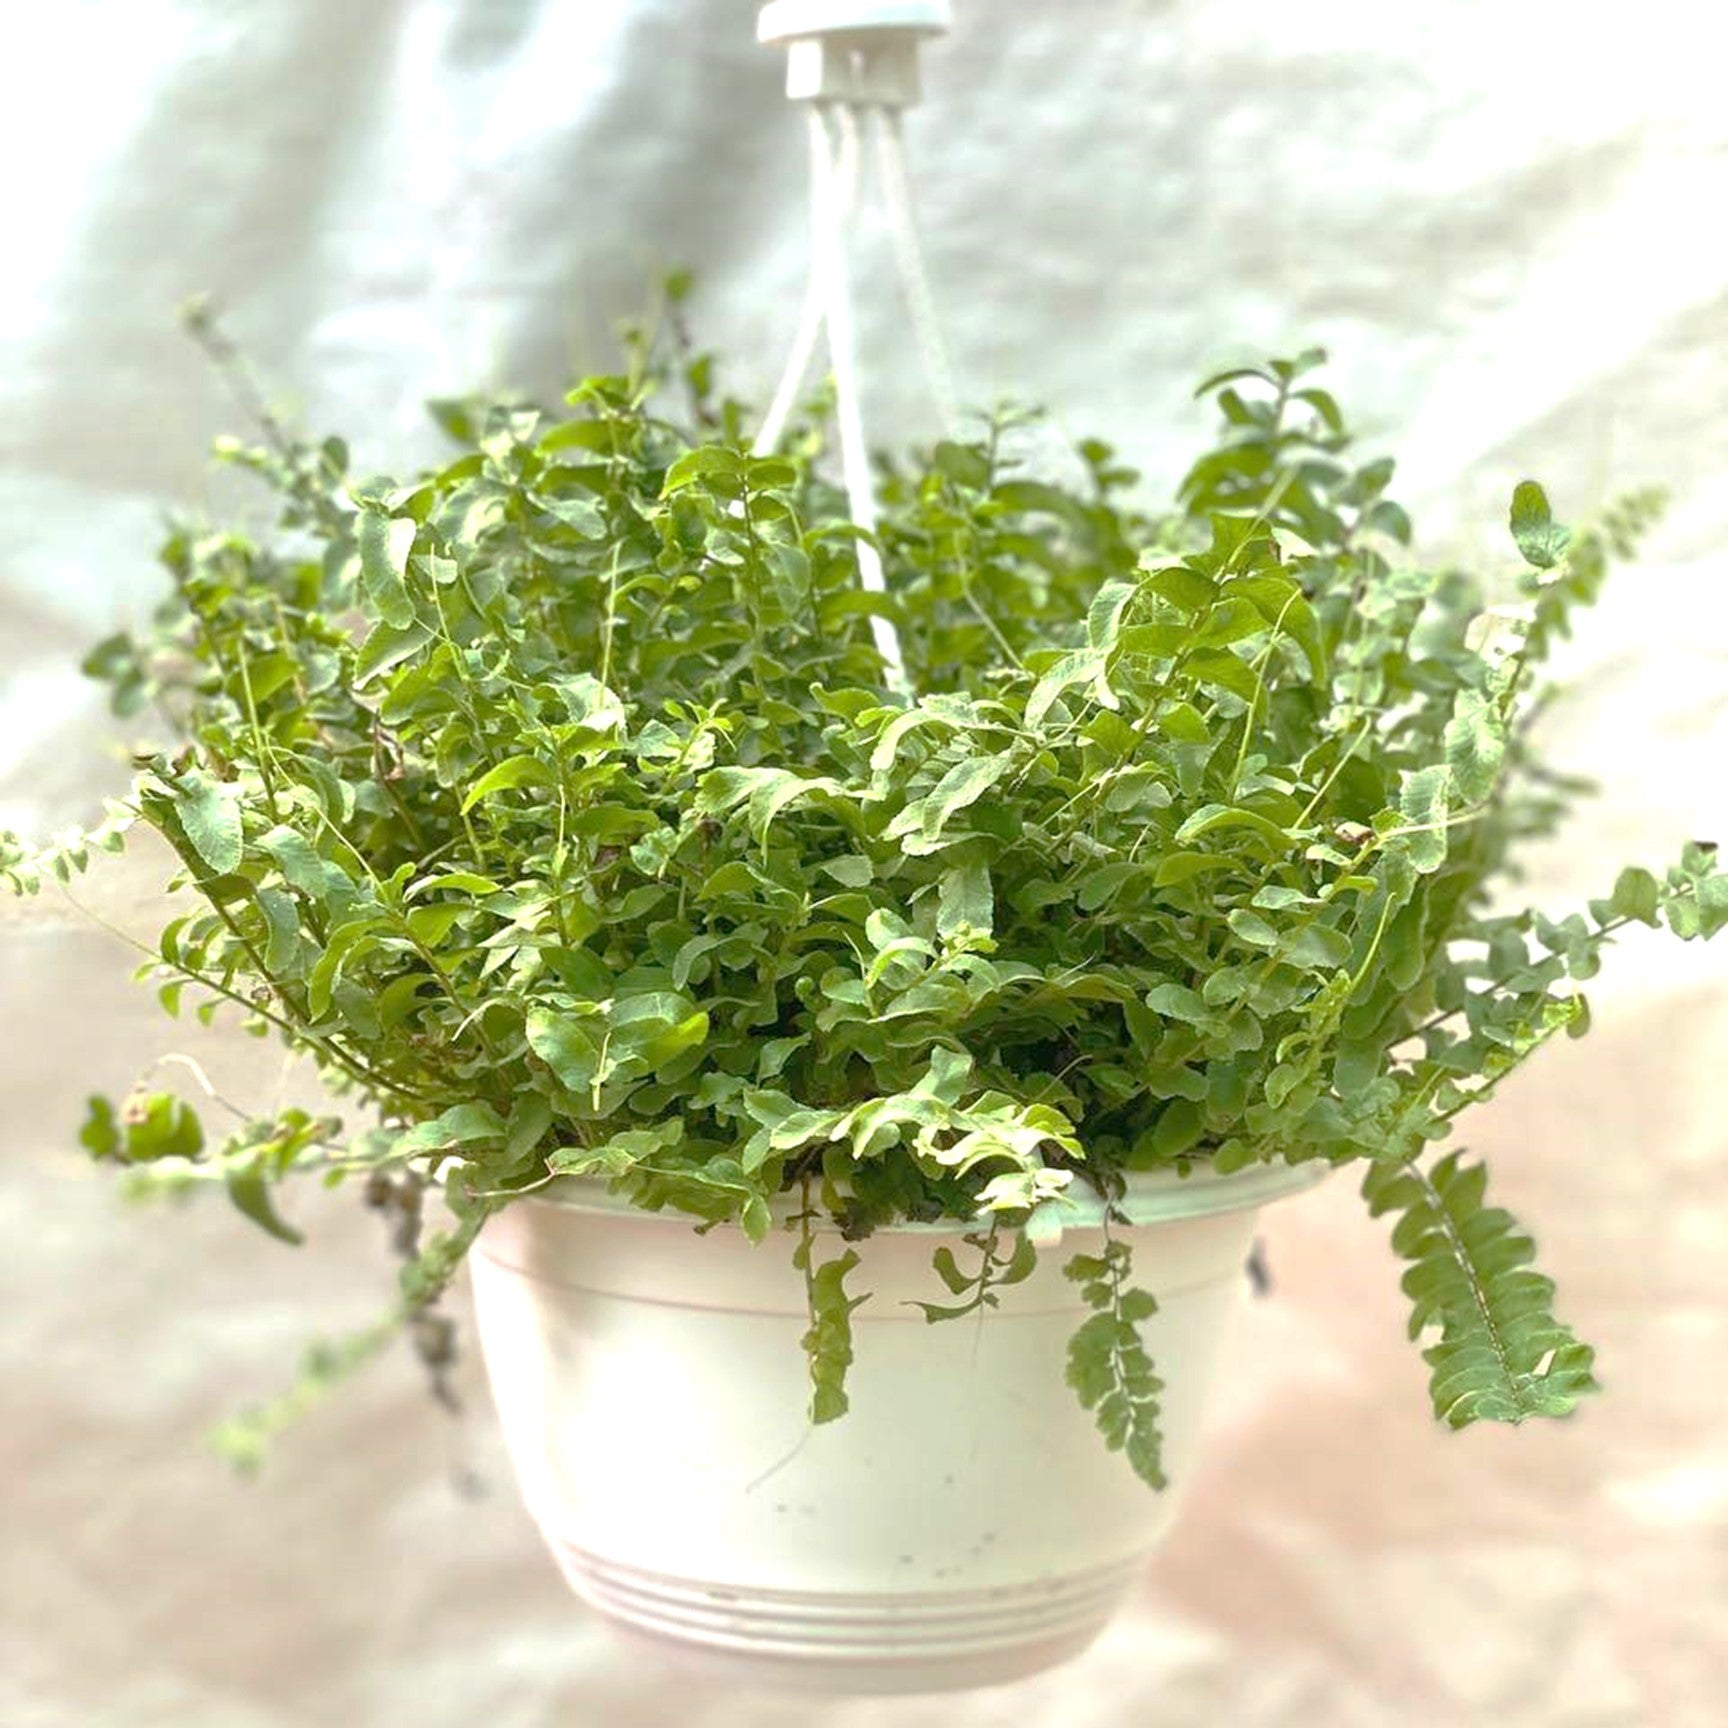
(962, 1525)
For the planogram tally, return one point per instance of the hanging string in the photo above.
(848, 411)
(835, 147)
(845, 187)
(909, 260)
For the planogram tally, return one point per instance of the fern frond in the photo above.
(1501, 1355)
(827, 1341)
(245, 1439)
(1108, 1366)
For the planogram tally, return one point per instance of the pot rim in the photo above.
(1152, 1197)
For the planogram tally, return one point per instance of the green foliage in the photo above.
(827, 1342)
(1501, 1356)
(999, 1265)
(1108, 1366)
(556, 804)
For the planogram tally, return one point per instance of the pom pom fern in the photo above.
(556, 805)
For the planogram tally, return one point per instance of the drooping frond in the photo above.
(1501, 1356)
(1108, 1365)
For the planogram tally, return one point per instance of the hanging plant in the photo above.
(555, 804)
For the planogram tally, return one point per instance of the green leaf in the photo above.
(509, 776)
(431, 925)
(948, 1270)
(1223, 670)
(675, 1039)
(712, 464)
(569, 1044)
(962, 463)
(1712, 897)
(965, 904)
(1104, 615)
(1636, 895)
(1183, 722)
(347, 942)
(209, 812)
(1475, 745)
(1175, 868)
(100, 1134)
(1324, 404)
(304, 868)
(282, 919)
(1185, 588)
(963, 785)
(1542, 541)
(385, 544)
(849, 872)
(1180, 1127)
(1084, 666)
(1211, 818)
(1422, 804)
(387, 647)
(460, 1125)
(1317, 947)
(765, 793)
(584, 515)
(457, 881)
(250, 1193)
(530, 1121)
(1232, 375)
(151, 1125)
(1252, 928)
(1178, 1002)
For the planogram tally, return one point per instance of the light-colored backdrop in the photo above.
(1503, 220)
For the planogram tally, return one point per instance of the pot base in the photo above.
(923, 1641)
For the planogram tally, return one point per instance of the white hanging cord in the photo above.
(842, 57)
(848, 414)
(791, 383)
(909, 259)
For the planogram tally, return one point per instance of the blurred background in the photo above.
(1504, 222)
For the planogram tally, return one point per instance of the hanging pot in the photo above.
(961, 1525)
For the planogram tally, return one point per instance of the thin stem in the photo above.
(351, 1065)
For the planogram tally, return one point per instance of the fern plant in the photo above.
(555, 803)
